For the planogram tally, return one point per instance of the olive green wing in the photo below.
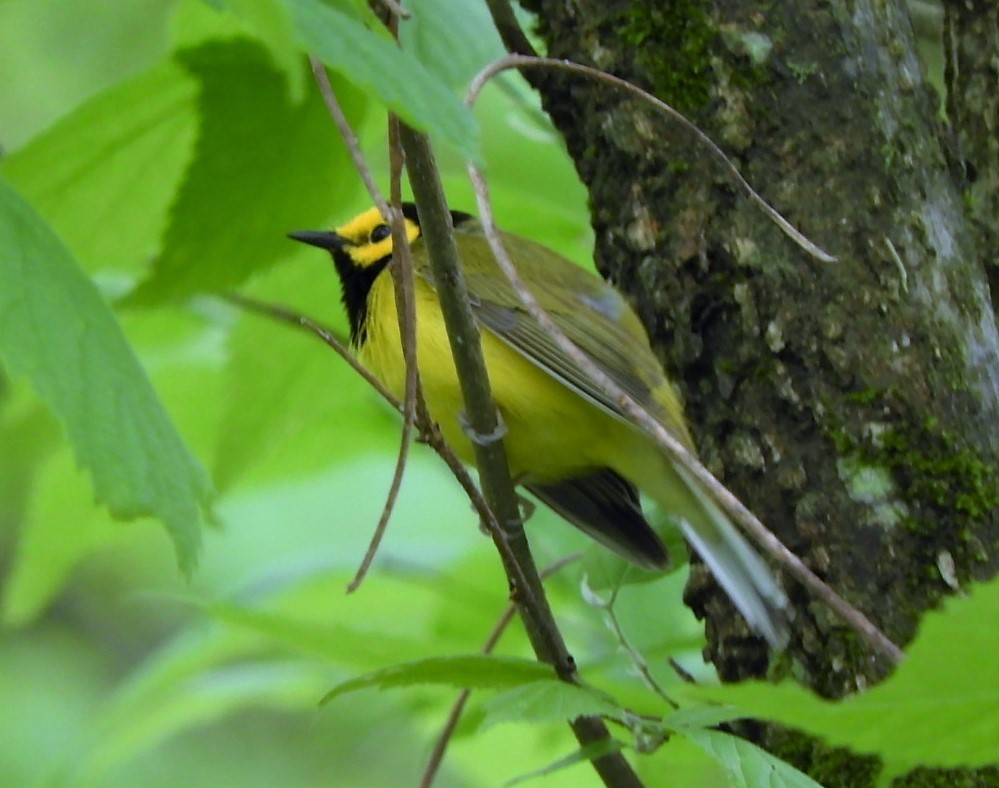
(591, 313)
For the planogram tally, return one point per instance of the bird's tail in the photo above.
(747, 580)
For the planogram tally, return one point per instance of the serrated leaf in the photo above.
(104, 176)
(375, 64)
(57, 331)
(928, 713)
(550, 700)
(262, 166)
(477, 671)
(747, 765)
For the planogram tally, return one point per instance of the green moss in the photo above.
(679, 65)
(824, 764)
(864, 396)
(934, 468)
(937, 475)
(802, 71)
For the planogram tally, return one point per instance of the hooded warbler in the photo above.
(567, 442)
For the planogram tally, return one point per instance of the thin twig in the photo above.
(396, 9)
(636, 658)
(676, 451)
(429, 434)
(402, 275)
(509, 28)
(327, 335)
(523, 61)
(349, 137)
(440, 746)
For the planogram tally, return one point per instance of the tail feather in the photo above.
(747, 580)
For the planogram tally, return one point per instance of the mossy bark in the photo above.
(971, 44)
(852, 405)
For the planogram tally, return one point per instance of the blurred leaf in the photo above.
(747, 765)
(549, 700)
(269, 20)
(478, 671)
(290, 398)
(56, 330)
(582, 755)
(62, 525)
(330, 641)
(104, 176)
(51, 681)
(204, 698)
(696, 717)
(940, 708)
(262, 166)
(453, 39)
(375, 64)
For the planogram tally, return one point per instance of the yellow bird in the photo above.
(567, 442)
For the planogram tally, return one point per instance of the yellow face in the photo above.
(369, 237)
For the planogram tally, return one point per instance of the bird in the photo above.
(567, 441)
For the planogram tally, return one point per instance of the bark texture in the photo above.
(851, 405)
(971, 43)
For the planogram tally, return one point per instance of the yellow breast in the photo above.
(552, 433)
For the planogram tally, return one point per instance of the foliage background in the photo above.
(167, 137)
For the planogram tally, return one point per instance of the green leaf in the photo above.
(702, 716)
(61, 526)
(583, 755)
(104, 176)
(56, 330)
(549, 700)
(269, 20)
(332, 642)
(453, 39)
(747, 765)
(286, 388)
(940, 708)
(376, 65)
(477, 671)
(262, 166)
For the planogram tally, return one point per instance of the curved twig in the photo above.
(525, 61)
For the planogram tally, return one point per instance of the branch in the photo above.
(522, 61)
(485, 430)
(437, 756)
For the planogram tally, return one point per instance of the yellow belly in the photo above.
(552, 433)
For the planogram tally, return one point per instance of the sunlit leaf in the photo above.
(550, 700)
(479, 671)
(938, 709)
(747, 765)
(582, 755)
(104, 175)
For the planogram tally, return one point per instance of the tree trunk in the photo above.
(852, 405)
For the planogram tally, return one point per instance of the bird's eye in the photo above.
(380, 233)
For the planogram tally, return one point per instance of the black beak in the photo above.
(321, 238)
